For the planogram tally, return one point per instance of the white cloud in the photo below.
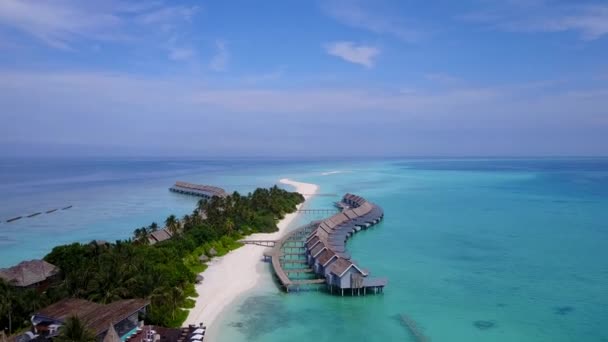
(589, 21)
(359, 54)
(64, 23)
(274, 75)
(353, 14)
(219, 62)
(57, 23)
(181, 54)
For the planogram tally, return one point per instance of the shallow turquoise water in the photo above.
(518, 243)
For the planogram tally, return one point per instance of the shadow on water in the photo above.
(412, 328)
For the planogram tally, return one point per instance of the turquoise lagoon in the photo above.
(474, 249)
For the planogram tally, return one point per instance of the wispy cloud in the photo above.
(181, 54)
(351, 52)
(590, 21)
(219, 62)
(274, 75)
(91, 107)
(65, 23)
(355, 14)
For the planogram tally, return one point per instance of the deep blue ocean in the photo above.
(474, 249)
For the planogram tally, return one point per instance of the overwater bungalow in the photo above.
(325, 246)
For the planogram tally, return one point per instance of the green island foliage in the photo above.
(164, 272)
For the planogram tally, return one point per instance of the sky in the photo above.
(304, 78)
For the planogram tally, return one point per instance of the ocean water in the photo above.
(518, 244)
(109, 198)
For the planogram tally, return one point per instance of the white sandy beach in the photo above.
(229, 276)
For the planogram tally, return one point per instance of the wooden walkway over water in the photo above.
(281, 259)
(325, 211)
(263, 243)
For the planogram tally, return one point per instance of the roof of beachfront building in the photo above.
(159, 235)
(28, 273)
(96, 317)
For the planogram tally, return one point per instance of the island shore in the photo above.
(233, 274)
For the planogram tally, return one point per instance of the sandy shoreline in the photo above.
(229, 276)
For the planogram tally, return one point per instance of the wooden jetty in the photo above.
(263, 243)
(318, 211)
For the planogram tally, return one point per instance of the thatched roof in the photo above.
(203, 258)
(28, 273)
(111, 335)
(212, 252)
(159, 235)
(97, 317)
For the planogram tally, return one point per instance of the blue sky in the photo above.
(274, 78)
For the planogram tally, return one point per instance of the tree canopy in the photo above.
(165, 272)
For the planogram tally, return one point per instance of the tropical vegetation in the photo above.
(165, 272)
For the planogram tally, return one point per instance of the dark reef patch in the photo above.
(256, 321)
(484, 325)
(563, 310)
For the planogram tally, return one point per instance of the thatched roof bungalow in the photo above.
(37, 274)
(122, 315)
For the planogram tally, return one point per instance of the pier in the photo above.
(318, 211)
(204, 191)
(263, 243)
(315, 254)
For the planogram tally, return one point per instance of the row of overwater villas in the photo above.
(326, 247)
(204, 191)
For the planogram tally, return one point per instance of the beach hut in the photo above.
(111, 335)
(32, 274)
(212, 252)
(199, 279)
(203, 258)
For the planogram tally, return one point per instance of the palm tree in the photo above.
(153, 227)
(168, 297)
(172, 224)
(229, 225)
(74, 330)
(6, 303)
